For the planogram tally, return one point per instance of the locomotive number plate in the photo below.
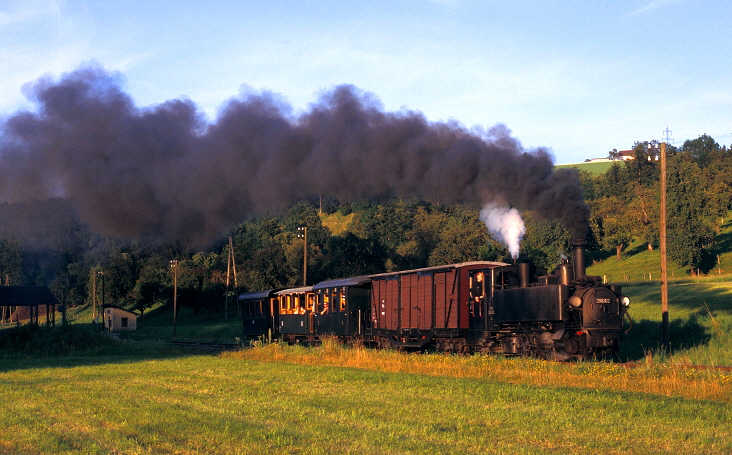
(603, 300)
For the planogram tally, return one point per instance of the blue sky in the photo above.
(578, 77)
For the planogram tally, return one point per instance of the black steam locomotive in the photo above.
(486, 307)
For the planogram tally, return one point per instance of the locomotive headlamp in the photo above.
(625, 301)
(575, 301)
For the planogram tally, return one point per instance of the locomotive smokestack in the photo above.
(579, 246)
(524, 274)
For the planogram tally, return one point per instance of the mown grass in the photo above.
(231, 405)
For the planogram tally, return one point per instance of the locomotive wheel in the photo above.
(528, 347)
(571, 346)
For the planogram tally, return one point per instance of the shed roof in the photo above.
(120, 308)
(26, 296)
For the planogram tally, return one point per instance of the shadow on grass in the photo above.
(32, 346)
(645, 337)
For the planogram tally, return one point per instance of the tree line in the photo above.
(625, 201)
(395, 234)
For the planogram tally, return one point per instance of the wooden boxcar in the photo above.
(414, 309)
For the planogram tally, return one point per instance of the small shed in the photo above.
(29, 303)
(118, 319)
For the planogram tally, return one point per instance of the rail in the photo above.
(203, 346)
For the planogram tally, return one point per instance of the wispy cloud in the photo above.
(28, 11)
(654, 5)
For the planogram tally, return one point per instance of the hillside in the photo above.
(592, 168)
(640, 264)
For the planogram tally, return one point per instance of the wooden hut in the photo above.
(118, 319)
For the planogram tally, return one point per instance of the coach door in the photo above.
(445, 298)
(477, 306)
(385, 306)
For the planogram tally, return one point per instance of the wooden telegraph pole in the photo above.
(665, 338)
(303, 233)
(230, 266)
(174, 266)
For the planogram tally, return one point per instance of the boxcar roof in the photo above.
(486, 264)
(340, 282)
(256, 295)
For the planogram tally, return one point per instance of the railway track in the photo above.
(218, 347)
(683, 367)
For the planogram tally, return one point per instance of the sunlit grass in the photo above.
(667, 379)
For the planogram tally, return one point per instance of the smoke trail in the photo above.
(165, 173)
(506, 225)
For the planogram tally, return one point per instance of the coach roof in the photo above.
(340, 282)
(257, 295)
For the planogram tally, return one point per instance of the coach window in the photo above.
(343, 300)
(336, 301)
(310, 302)
(326, 301)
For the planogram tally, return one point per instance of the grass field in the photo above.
(231, 405)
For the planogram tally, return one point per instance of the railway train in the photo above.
(470, 307)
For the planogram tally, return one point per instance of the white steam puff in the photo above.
(506, 225)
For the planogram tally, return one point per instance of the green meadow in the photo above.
(206, 404)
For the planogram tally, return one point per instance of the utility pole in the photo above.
(100, 311)
(174, 266)
(230, 265)
(665, 337)
(94, 298)
(303, 233)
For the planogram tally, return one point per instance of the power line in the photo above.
(667, 135)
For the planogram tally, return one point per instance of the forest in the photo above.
(346, 238)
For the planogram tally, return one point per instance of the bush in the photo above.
(37, 341)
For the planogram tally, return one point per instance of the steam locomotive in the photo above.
(481, 306)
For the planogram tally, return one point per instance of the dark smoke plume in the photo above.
(165, 173)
